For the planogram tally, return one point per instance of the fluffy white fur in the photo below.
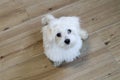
(55, 33)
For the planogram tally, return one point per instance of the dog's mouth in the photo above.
(68, 46)
(64, 46)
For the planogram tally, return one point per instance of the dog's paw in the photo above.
(57, 64)
(84, 34)
(47, 18)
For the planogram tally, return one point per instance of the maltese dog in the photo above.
(62, 38)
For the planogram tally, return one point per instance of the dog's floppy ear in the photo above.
(75, 19)
(47, 33)
(47, 18)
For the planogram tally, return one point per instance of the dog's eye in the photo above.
(69, 31)
(59, 35)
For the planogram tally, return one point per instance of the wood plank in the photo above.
(44, 6)
(3, 1)
(28, 3)
(11, 14)
(97, 72)
(38, 7)
(111, 38)
(115, 75)
(22, 55)
(34, 66)
(116, 52)
(19, 44)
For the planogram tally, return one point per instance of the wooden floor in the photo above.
(21, 51)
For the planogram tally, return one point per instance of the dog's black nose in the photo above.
(67, 41)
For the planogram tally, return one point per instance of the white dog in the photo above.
(62, 38)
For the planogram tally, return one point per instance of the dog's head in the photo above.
(63, 31)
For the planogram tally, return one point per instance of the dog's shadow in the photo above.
(83, 57)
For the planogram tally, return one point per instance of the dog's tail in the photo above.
(47, 18)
